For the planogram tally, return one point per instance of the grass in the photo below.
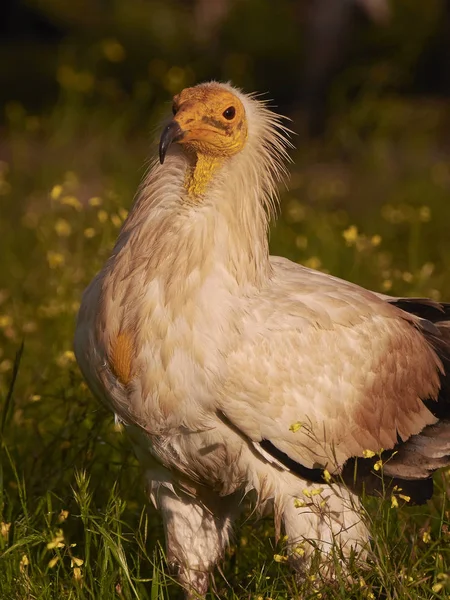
(73, 514)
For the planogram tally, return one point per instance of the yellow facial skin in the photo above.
(214, 127)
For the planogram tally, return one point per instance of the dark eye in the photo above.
(174, 109)
(229, 113)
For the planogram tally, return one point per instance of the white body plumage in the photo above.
(209, 351)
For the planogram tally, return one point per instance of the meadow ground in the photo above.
(73, 513)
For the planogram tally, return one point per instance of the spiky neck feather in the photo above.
(225, 226)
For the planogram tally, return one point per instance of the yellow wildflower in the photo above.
(63, 228)
(95, 201)
(6, 365)
(113, 50)
(313, 262)
(24, 562)
(426, 537)
(295, 427)
(299, 503)
(313, 492)
(102, 216)
(57, 541)
(5, 321)
(407, 276)
(376, 240)
(279, 558)
(52, 562)
(4, 530)
(424, 214)
(368, 454)
(350, 235)
(55, 259)
(63, 516)
(394, 502)
(116, 220)
(66, 358)
(56, 192)
(301, 241)
(174, 79)
(326, 475)
(123, 214)
(77, 562)
(72, 201)
(89, 232)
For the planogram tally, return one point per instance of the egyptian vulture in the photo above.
(236, 371)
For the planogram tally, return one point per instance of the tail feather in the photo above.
(424, 453)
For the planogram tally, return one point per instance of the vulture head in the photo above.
(209, 120)
(221, 130)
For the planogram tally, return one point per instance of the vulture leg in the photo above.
(330, 523)
(197, 533)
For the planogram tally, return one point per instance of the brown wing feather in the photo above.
(394, 413)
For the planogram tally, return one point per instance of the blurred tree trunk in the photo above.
(209, 16)
(329, 29)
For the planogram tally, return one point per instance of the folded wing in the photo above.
(327, 371)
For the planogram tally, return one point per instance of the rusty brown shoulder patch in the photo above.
(121, 357)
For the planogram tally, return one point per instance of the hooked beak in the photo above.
(171, 133)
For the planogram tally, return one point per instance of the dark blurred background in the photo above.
(311, 54)
(83, 86)
(366, 83)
